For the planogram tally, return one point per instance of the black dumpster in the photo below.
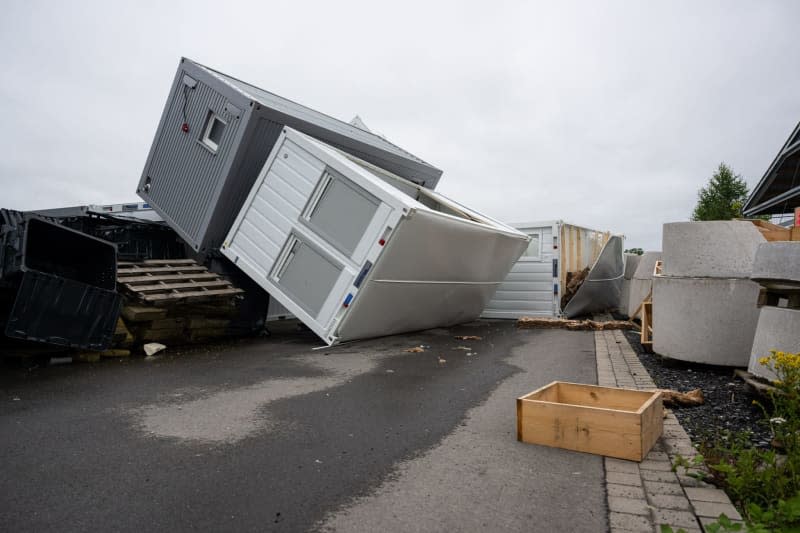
(64, 283)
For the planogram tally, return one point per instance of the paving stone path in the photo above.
(644, 496)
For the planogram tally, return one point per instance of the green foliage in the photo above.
(763, 484)
(723, 197)
(636, 251)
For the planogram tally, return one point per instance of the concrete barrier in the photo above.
(717, 249)
(642, 280)
(624, 296)
(777, 262)
(631, 262)
(705, 320)
(777, 329)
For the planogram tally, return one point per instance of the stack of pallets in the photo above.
(176, 301)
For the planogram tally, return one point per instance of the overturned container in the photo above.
(214, 137)
(355, 251)
(61, 283)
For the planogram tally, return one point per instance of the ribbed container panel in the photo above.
(184, 174)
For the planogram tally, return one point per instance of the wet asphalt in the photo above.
(270, 435)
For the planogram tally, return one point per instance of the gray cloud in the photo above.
(607, 115)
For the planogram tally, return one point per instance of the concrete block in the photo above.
(647, 262)
(777, 329)
(777, 262)
(631, 263)
(624, 296)
(642, 280)
(717, 249)
(705, 320)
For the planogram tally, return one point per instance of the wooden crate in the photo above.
(607, 421)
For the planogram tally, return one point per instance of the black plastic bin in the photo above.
(65, 283)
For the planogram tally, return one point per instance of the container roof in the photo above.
(778, 191)
(301, 112)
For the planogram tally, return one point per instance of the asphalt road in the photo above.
(270, 435)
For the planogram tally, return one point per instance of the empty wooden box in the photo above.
(607, 421)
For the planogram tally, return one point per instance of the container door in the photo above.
(320, 263)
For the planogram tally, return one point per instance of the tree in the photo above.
(635, 251)
(723, 197)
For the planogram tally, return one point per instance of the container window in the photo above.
(340, 211)
(212, 132)
(306, 275)
(534, 250)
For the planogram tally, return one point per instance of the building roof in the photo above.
(778, 191)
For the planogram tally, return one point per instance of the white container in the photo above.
(354, 251)
(536, 282)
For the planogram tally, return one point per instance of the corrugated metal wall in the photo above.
(528, 288)
(184, 175)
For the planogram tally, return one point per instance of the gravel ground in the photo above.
(728, 405)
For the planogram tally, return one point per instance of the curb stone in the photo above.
(668, 498)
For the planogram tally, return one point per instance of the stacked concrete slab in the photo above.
(631, 262)
(642, 280)
(777, 269)
(704, 303)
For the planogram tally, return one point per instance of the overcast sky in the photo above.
(605, 114)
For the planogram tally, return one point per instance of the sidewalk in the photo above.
(643, 496)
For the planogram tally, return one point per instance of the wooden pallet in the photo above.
(773, 232)
(168, 281)
(646, 310)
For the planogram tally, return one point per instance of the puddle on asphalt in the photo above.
(232, 415)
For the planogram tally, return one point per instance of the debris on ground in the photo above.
(572, 324)
(442, 361)
(152, 348)
(729, 403)
(756, 384)
(118, 352)
(465, 348)
(415, 349)
(682, 399)
(468, 338)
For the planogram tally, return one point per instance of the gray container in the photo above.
(214, 137)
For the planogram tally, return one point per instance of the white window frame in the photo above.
(538, 236)
(205, 139)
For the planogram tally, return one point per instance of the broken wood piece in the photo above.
(415, 349)
(754, 383)
(682, 399)
(573, 325)
(115, 353)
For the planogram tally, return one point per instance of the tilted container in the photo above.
(355, 251)
(536, 283)
(213, 138)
